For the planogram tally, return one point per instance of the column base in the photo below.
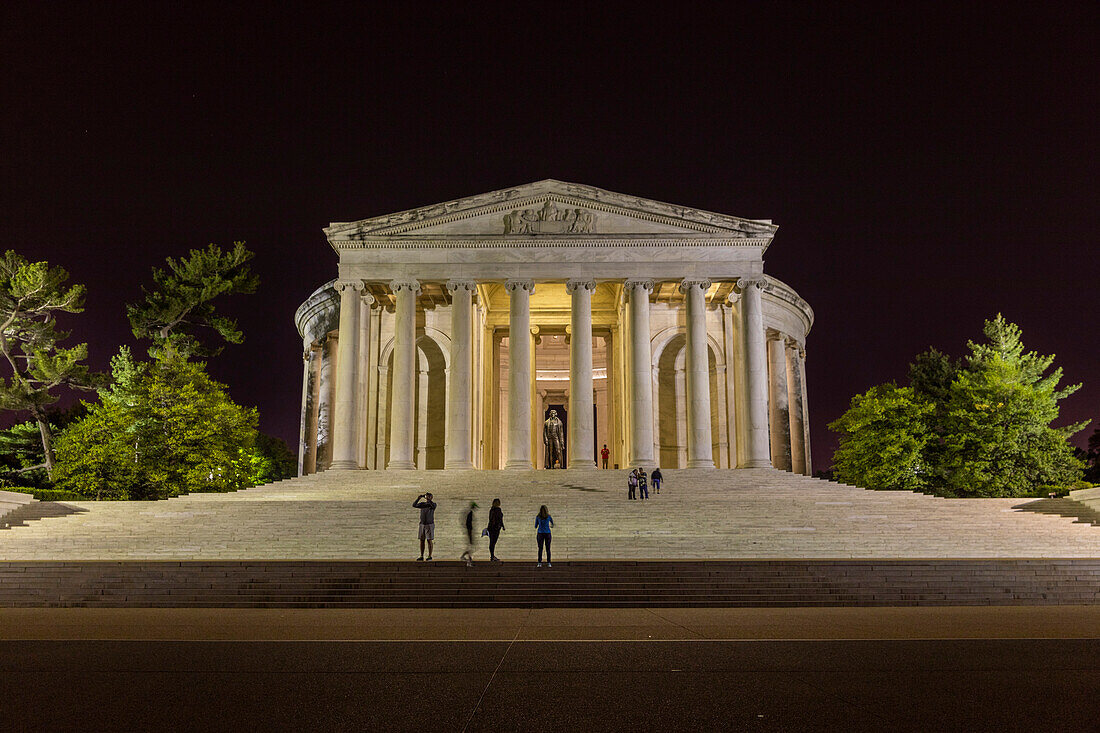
(400, 466)
(458, 466)
(581, 466)
(697, 463)
(518, 466)
(756, 463)
(343, 466)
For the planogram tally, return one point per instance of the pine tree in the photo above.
(31, 296)
(179, 309)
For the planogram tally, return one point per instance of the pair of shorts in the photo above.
(427, 532)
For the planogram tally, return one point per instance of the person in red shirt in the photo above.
(605, 454)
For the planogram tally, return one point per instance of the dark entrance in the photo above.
(564, 431)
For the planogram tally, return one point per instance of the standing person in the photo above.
(643, 489)
(496, 526)
(605, 454)
(631, 484)
(656, 478)
(427, 523)
(543, 523)
(468, 555)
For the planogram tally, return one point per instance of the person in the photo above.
(656, 478)
(643, 488)
(543, 523)
(468, 555)
(496, 526)
(427, 523)
(631, 484)
(605, 454)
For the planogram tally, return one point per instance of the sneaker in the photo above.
(539, 565)
(549, 565)
(429, 557)
(469, 563)
(420, 559)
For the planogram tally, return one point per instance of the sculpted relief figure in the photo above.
(553, 439)
(549, 219)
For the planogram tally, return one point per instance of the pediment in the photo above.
(552, 209)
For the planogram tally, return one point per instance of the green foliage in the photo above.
(22, 461)
(31, 296)
(164, 428)
(272, 460)
(883, 437)
(981, 427)
(1092, 459)
(43, 494)
(180, 306)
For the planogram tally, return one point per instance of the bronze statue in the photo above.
(553, 439)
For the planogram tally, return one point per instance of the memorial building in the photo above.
(452, 331)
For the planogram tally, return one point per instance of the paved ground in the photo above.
(759, 513)
(902, 669)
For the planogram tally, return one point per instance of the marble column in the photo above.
(700, 451)
(347, 377)
(757, 454)
(641, 374)
(779, 417)
(459, 389)
(581, 453)
(362, 385)
(801, 364)
(519, 374)
(303, 428)
(794, 406)
(404, 375)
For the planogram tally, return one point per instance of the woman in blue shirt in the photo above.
(543, 523)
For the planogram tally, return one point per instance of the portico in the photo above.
(455, 327)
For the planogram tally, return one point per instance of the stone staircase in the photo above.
(700, 515)
(716, 583)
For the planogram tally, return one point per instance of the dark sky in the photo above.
(927, 166)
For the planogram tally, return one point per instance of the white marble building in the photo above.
(651, 328)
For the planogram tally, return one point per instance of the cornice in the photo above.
(572, 194)
(541, 241)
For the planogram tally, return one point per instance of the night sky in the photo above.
(927, 166)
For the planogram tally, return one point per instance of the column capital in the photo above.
(691, 282)
(574, 284)
(367, 298)
(405, 284)
(752, 281)
(636, 283)
(342, 285)
(453, 285)
(774, 335)
(512, 285)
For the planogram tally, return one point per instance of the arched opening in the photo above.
(429, 404)
(671, 403)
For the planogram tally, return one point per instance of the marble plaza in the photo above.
(454, 329)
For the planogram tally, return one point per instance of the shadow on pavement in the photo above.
(1063, 508)
(38, 510)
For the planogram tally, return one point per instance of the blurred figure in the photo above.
(427, 523)
(468, 555)
(605, 454)
(643, 488)
(656, 478)
(496, 526)
(631, 484)
(543, 523)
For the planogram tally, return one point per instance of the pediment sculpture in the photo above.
(549, 219)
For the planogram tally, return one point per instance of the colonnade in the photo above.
(775, 432)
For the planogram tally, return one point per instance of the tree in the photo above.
(164, 428)
(180, 309)
(998, 439)
(979, 427)
(22, 461)
(31, 295)
(272, 460)
(1092, 458)
(883, 439)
